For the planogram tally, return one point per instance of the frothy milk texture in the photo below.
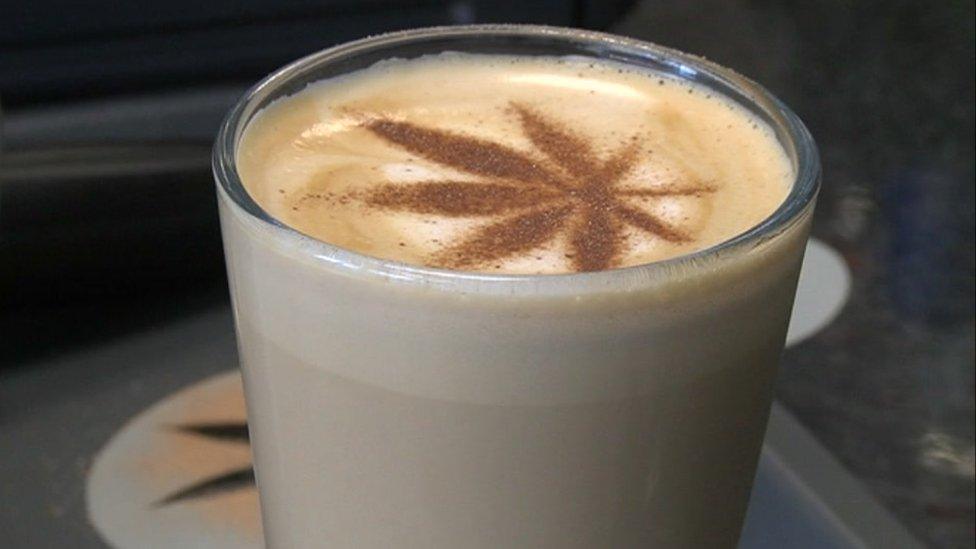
(513, 164)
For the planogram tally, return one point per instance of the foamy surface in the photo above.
(513, 164)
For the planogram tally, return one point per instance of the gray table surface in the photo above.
(56, 417)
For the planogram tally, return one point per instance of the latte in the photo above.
(392, 406)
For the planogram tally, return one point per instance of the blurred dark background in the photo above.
(110, 109)
(108, 219)
(66, 51)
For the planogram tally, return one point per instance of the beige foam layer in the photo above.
(313, 162)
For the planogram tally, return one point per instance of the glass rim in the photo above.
(801, 197)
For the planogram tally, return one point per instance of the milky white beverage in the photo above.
(522, 298)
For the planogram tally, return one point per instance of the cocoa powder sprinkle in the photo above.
(528, 198)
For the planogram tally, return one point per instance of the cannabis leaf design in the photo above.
(529, 198)
(232, 432)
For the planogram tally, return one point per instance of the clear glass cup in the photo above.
(393, 405)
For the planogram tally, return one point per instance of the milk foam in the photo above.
(416, 161)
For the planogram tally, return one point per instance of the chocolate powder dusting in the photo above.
(458, 198)
(505, 238)
(649, 223)
(597, 240)
(558, 143)
(693, 190)
(529, 197)
(465, 153)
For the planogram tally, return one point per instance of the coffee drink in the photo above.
(408, 386)
(513, 164)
